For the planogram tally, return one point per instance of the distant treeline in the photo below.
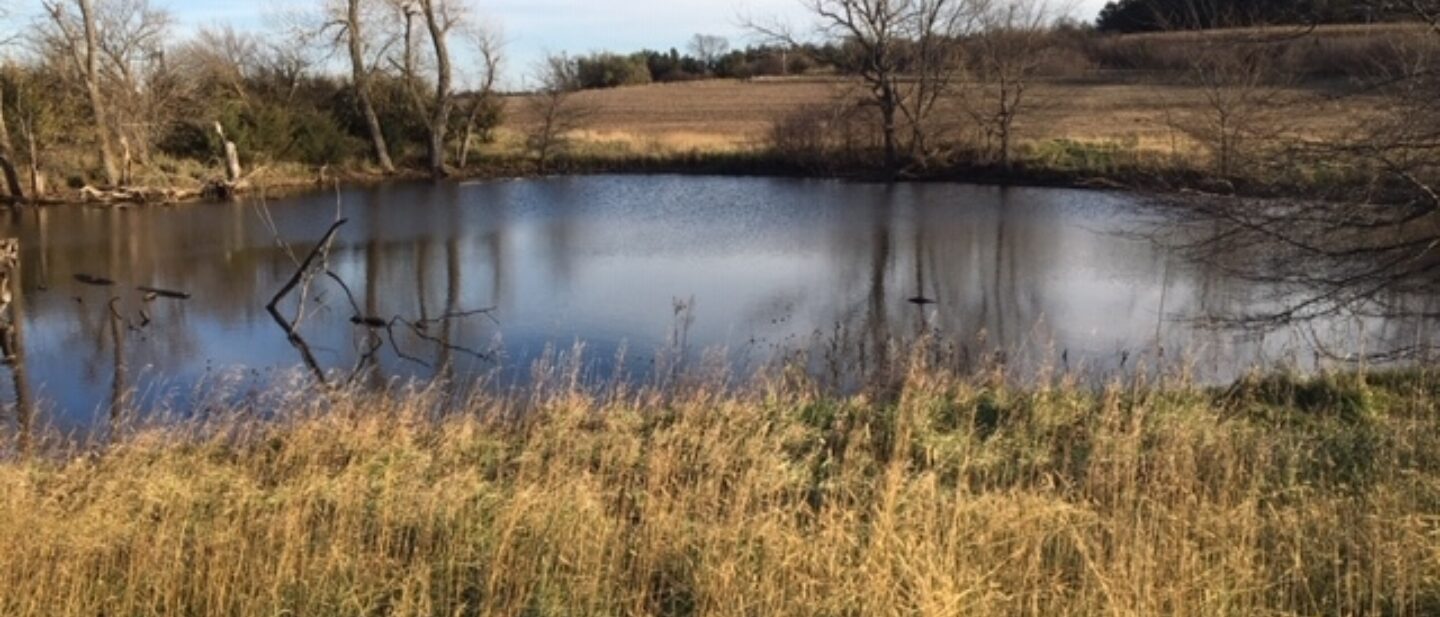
(712, 60)
(1158, 15)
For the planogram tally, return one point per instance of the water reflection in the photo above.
(1043, 275)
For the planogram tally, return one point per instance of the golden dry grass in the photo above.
(948, 497)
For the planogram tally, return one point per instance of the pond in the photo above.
(750, 266)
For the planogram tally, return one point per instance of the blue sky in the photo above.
(533, 28)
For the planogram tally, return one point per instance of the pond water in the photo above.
(760, 265)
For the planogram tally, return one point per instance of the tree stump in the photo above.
(9, 276)
(12, 341)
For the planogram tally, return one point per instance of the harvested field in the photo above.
(724, 115)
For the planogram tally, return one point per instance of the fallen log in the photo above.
(139, 195)
(369, 322)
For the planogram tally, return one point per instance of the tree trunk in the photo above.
(37, 179)
(360, 75)
(440, 119)
(7, 158)
(892, 149)
(12, 178)
(889, 104)
(232, 155)
(464, 157)
(91, 71)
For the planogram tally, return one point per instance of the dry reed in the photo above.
(936, 495)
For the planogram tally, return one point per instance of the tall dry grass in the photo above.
(937, 495)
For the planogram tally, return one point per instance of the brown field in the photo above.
(727, 115)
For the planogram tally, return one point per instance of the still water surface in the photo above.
(762, 264)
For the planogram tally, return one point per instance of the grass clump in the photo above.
(939, 495)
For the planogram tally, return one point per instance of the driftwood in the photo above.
(136, 195)
(230, 186)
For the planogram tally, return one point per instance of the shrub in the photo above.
(271, 131)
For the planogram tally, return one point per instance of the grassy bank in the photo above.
(937, 496)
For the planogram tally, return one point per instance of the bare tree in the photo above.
(288, 59)
(28, 111)
(905, 52)
(79, 34)
(709, 49)
(554, 111)
(131, 42)
(483, 99)
(349, 20)
(1242, 106)
(439, 18)
(1011, 44)
(223, 57)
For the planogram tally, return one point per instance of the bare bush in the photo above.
(555, 111)
(826, 135)
(1011, 47)
(1243, 109)
(485, 111)
(908, 55)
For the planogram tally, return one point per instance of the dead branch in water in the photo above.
(315, 264)
(305, 271)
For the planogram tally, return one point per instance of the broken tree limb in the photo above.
(235, 181)
(291, 332)
(316, 253)
(232, 155)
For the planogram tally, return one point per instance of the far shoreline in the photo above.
(1175, 181)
